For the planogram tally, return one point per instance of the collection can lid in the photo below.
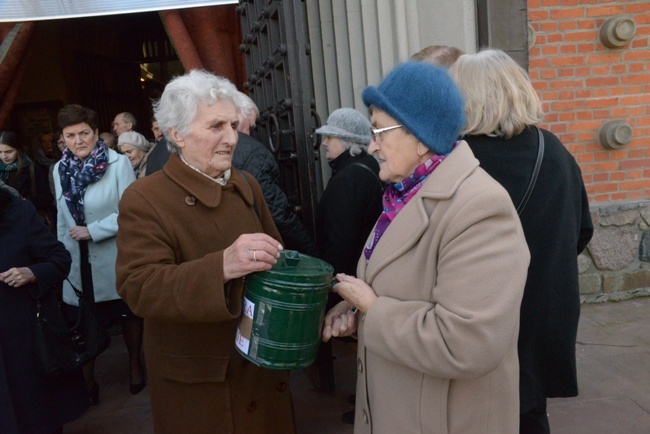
(295, 266)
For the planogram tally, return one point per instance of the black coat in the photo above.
(30, 403)
(157, 157)
(557, 225)
(251, 155)
(348, 210)
(43, 198)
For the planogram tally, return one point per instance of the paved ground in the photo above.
(613, 368)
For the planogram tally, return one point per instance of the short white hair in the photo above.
(246, 106)
(178, 103)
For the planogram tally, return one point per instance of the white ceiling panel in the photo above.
(36, 10)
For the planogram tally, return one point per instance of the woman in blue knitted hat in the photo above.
(436, 301)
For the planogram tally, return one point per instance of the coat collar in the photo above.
(409, 225)
(202, 189)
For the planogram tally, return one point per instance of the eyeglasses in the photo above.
(376, 132)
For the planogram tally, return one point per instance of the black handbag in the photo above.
(60, 349)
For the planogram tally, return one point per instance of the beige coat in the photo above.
(174, 227)
(438, 348)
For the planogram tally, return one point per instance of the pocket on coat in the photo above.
(193, 369)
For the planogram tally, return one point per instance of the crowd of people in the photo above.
(436, 219)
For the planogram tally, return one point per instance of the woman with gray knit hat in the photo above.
(349, 206)
(436, 302)
(136, 148)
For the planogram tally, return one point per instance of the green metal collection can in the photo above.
(282, 313)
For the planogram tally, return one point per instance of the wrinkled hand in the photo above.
(339, 321)
(355, 291)
(80, 233)
(250, 253)
(17, 277)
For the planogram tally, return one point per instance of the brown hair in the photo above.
(438, 55)
(73, 114)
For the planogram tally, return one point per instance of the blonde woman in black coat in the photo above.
(502, 110)
(32, 263)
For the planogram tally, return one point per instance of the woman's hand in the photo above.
(80, 233)
(250, 253)
(17, 276)
(355, 291)
(340, 321)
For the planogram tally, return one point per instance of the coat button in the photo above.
(359, 365)
(190, 200)
(365, 416)
(281, 387)
(251, 407)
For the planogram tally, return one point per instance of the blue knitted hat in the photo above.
(425, 100)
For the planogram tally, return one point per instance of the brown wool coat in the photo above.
(437, 350)
(173, 228)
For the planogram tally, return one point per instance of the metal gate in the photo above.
(276, 49)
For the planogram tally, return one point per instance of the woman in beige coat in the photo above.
(436, 304)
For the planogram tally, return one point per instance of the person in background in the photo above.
(46, 154)
(124, 122)
(32, 263)
(136, 148)
(17, 170)
(347, 209)
(110, 140)
(159, 155)
(442, 56)
(253, 157)
(90, 180)
(502, 109)
(188, 236)
(60, 143)
(440, 281)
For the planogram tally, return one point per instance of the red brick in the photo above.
(600, 93)
(586, 48)
(635, 78)
(601, 114)
(537, 15)
(538, 63)
(565, 72)
(635, 99)
(586, 136)
(586, 24)
(634, 90)
(614, 91)
(634, 174)
(602, 81)
(614, 197)
(585, 158)
(638, 7)
(619, 69)
(590, 35)
(564, 84)
(602, 188)
(566, 94)
(534, 4)
(639, 43)
(569, 13)
(547, 3)
(567, 25)
(637, 67)
(601, 177)
(604, 58)
(635, 195)
(635, 185)
(604, 102)
(549, 73)
(563, 106)
(602, 166)
(583, 71)
(601, 11)
(548, 26)
(585, 116)
(636, 55)
(554, 38)
(584, 93)
(619, 112)
(635, 153)
(635, 111)
(600, 198)
(635, 164)
(617, 176)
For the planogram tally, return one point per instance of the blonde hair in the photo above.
(499, 97)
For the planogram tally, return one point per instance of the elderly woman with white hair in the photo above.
(136, 148)
(188, 235)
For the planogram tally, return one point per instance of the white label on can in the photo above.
(244, 331)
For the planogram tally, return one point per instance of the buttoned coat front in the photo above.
(437, 350)
(101, 202)
(174, 227)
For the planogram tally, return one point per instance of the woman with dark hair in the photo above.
(32, 265)
(17, 170)
(89, 181)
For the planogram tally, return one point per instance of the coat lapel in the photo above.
(409, 225)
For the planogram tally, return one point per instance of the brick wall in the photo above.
(584, 84)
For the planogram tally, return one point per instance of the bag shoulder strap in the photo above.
(358, 163)
(533, 178)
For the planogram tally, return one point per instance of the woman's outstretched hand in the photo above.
(340, 321)
(250, 253)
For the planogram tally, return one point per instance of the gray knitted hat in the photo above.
(347, 124)
(134, 139)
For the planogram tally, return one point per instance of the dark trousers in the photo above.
(535, 421)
